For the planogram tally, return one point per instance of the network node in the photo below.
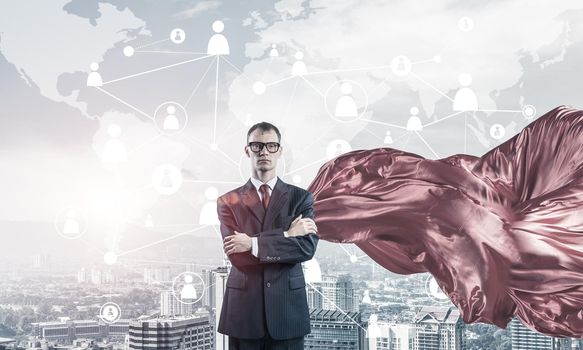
(528, 111)
(109, 312)
(497, 131)
(128, 51)
(259, 88)
(465, 24)
(401, 66)
(297, 179)
(177, 36)
(110, 258)
(188, 288)
(167, 179)
(218, 44)
(170, 118)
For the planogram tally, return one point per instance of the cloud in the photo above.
(345, 35)
(200, 7)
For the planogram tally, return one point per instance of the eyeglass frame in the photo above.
(264, 145)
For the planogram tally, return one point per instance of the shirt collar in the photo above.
(257, 183)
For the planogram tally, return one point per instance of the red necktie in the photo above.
(265, 193)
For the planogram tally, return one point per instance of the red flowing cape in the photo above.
(502, 233)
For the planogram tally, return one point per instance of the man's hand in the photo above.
(301, 227)
(237, 243)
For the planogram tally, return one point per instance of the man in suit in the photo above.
(268, 231)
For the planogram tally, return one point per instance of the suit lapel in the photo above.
(252, 201)
(276, 201)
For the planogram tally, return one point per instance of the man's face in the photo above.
(263, 160)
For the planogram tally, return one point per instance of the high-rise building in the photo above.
(41, 261)
(82, 276)
(314, 295)
(171, 306)
(96, 276)
(439, 328)
(208, 299)
(334, 292)
(169, 333)
(392, 336)
(525, 339)
(335, 330)
(219, 286)
(157, 275)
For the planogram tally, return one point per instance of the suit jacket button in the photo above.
(268, 284)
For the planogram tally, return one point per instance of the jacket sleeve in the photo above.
(228, 227)
(274, 247)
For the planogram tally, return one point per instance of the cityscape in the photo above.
(132, 125)
(354, 304)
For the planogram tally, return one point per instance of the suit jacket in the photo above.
(268, 290)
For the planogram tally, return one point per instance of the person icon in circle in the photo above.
(188, 291)
(346, 106)
(71, 226)
(171, 122)
(218, 44)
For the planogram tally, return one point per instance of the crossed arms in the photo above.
(273, 247)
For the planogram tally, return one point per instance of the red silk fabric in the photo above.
(502, 233)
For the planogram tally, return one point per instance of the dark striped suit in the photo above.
(267, 293)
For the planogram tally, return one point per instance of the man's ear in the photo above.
(247, 152)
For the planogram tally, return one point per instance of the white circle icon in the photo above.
(167, 179)
(465, 24)
(401, 66)
(177, 36)
(110, 312)
(434, 291)
(71, 223)
(336, 148)
(346, 101)
(188, 287)
(259, 88)
(128, 51)
(170, 118)
(528, 111)
(109, 258)
(497, 131)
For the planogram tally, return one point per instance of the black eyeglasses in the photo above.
(256, 147)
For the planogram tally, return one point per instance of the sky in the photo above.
(55, 130)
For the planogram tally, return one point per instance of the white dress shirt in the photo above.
(257, 183)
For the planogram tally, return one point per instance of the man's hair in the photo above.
(264, 126)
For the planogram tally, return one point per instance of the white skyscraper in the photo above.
(439, 328)
(171, 306)
(337, 292)
(392, 337)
